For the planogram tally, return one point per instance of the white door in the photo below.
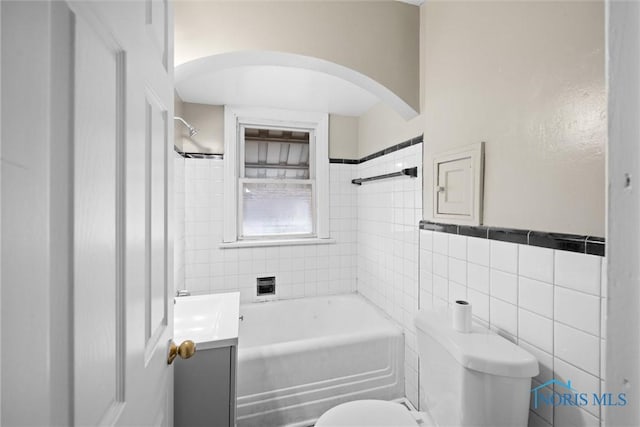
(122, 256)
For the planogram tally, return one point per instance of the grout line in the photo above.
(518, 291)
(489, 268)
(600, 339)
(574, 328)
(553, 331)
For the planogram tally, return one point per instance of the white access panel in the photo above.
(455, 180)
(458, 178)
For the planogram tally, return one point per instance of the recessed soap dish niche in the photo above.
(458, 177)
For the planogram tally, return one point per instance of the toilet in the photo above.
(469, 379)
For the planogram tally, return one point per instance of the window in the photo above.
(276, 176)
(276, 183)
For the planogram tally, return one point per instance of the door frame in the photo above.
(623, 211)
(36, 226)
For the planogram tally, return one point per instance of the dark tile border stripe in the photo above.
(388, 150)
(203, 156)
(465, 230)
(198, 155)
(345, 161)
(508, 235)
(595, 246)
(400, 146)
(565, 242)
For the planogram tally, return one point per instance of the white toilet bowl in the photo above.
(370, 413)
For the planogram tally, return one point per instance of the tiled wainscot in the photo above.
(388, 211)
(550, 302)
(300, 271)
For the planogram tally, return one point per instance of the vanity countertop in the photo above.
(211, 321)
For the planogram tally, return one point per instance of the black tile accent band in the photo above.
(508, 235)
(565, 242)
(198, 155)
(203, 156)
(482, 232)
(345, 161)
(400, 146)
(595, 246)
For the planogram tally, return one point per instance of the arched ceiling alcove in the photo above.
(283, 80)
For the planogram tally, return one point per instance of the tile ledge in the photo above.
(280, 242)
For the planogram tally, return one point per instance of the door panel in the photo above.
(156, 165)
(122, 204)
(97, 231)
(456, 179)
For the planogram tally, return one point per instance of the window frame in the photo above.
(317, 124)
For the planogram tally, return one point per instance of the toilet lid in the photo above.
(370, 413)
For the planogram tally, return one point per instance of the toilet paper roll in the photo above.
(462, 316)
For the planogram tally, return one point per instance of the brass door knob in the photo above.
(184, 350)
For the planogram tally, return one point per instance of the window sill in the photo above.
(282, 242)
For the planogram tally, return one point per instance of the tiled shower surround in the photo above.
(300, 271)
(388, 213)
(549, 302)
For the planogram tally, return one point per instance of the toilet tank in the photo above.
(471, 379)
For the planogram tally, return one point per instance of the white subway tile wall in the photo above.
(547, 301)
(178, 210)
(388, 215)
(300, 271)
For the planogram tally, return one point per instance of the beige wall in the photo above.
(381, 127)
(527, 78)
(343, 137)
(209, 120)
(377, 38)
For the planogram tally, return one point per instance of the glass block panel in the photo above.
(276, 209)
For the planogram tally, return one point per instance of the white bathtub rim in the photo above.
(317, 343)
(391, 327)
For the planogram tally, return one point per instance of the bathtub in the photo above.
(298, 358)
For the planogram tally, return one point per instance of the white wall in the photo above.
(551, 303)
(300, 271)
(388, 216)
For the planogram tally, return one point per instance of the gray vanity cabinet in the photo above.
(205, 388)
